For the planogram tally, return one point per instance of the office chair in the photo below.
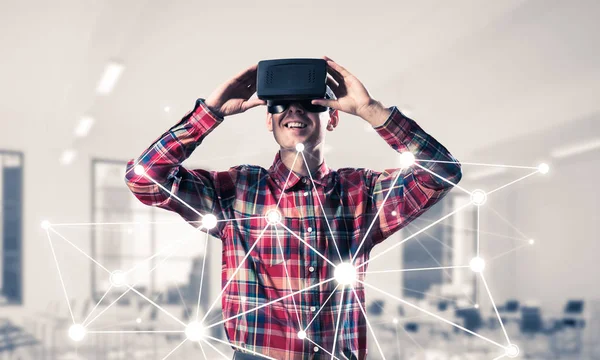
(569, 337)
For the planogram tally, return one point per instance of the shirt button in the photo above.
(316, 349)
(306, 193)
(304, 180)
(309, 229)
(313, 308)
(311, 269)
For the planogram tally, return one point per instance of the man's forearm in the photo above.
(169, 151)
(376, 114)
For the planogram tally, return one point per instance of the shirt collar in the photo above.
(280, 173)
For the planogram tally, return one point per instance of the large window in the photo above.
(11, 227)
(128, 235)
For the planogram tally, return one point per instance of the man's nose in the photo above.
(296, 106)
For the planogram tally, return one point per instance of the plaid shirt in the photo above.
(276, 260)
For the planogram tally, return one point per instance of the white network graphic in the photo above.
(344, 274)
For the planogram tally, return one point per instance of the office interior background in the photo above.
(511, 82)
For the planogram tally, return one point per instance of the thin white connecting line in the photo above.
(202, 349)
(508, 223)
(202, 277)
(413, 235)
(287, 275)
(235, 272)
(217, 350)
(322, 348)
(376, 216)
(307, 244)
(443, 178)
(231, 344)
(478, 216)
(177, 347)
(508, 252)
(269, 303)
(81, 251)
(323, 209)
(322, 306)
(60, 276)
(126, 291)
(434, 315)
(98, 303)
(286, 181)
(512, 182)
(417, 269)
(337, 325)
(470, 163)
(495, 308)
(368, 323)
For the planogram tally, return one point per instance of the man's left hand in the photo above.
(352, 96)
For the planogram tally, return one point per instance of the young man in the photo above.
(285, 230)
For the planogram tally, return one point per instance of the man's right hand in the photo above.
(232, 97)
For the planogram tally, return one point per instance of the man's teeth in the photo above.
(295, 125)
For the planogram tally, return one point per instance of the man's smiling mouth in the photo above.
(295, 125)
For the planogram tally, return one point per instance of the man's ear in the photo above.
(333, 120)
(269, 122)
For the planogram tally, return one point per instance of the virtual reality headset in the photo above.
(284, 81)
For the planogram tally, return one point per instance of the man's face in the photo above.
(311, 130)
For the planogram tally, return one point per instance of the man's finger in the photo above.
(246, 74)
(334, 104)
(332, 84)
(339, 68)
(253, 103)
(336, 75)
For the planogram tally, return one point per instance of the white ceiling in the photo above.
(472, 72)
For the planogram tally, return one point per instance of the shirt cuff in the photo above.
(203, 117)
(397, 127)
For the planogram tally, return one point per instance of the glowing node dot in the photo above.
(476, 306)
(45, 224)
(209, 221)
(117, 278)
(301, 334)
(167, 109)
(138, 320)
(478, 197)
(531, 241)
(194, 331)
(77, 332)
(395, 321)
(299, 147)
(543, 168)
(345, 274)
(139, 170)
(273, 217)
(394, 213)
(407, 159)
(477, 264)
(512, 351)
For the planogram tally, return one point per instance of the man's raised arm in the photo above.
(157, 177)
(414, 189)
(411, 190)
